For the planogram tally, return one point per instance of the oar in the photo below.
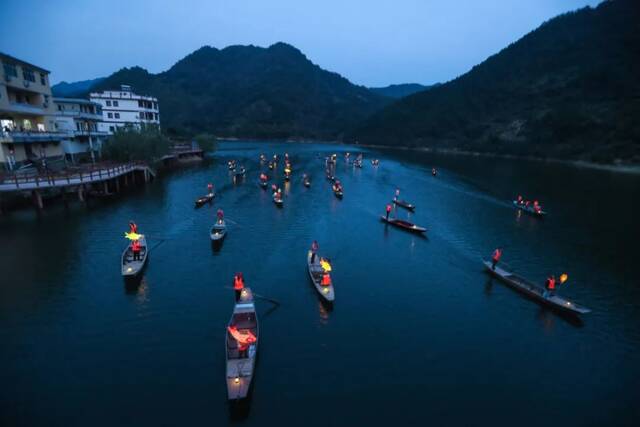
(272, 301)
(157, 244)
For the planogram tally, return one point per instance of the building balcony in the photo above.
(22, 108)
(95, 133)
(80, 115)
(18, 137)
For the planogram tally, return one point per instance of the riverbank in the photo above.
(619, 167)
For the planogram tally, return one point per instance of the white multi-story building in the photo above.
(79, 120)
(122, 108)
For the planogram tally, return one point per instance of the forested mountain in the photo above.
(569, 89)
(248, 91)
(70, 90)
(400, 90)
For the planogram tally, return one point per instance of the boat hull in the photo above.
(327, 293)
(535, 292)
(240, 368)
(410, 228)
(406, 205)
(528, 210)
(218, 232)
(131, 268)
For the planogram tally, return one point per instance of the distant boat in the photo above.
(240, 172)
(406, 225)
(218, 231)
(130, 267)
(307, 183)
(533, 291)
(315, 273)
(529, 209)
(277, 200)
(263, 184)
(201, 201)
(240, 365)
(338, 191)
(405, 204)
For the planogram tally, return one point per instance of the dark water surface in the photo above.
(419, 335)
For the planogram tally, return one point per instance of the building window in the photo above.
(10, 69)
(155, 105)
(115, 103)
(43, 79)
(60, 107)
(157, 116)
(109, 115)
(117, 115)
(28, 74)
(139, 103)
(108, 103)
(111, 128)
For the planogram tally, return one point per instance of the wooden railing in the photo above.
(69, 176)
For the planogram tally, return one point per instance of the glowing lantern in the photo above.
(325, 265)
(237, 380)
(132, 236)
(563, 277)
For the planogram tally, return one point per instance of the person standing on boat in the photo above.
(550, 286)
(397, 194)
(314, 251)
(326, 279)
(133, 227)
(238, 285)
(536, 207)
(220, 215)
(495, 258)
(388, 211)
(135, 248)
(433, 171)
(520, 200)
(210, 188)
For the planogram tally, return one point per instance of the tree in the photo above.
(131, 143)
(206, 142)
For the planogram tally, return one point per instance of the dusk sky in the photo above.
(372, 43)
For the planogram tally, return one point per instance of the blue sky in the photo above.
(372, 43)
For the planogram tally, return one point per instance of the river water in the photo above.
(419, 334)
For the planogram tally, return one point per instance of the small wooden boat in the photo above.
(404, 204)
(201, 201)
(375, 162)
(277, 200)
(240, 363)
(406, 225)
(529, 209)
(307, 183)
(240, 172)
(232, 165)
(130, 267)
(263, 184)
(533, 291)
(218, 231)
(337, 191)
(315, 273)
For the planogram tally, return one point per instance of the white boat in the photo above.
(131, 267)
(241, 364)
(315, 273)
(218, 231)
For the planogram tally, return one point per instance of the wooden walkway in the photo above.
(70, 177)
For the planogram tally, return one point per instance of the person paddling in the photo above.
(238, 285)
(550, 286)
(135, 248)
(220, 215)
(397, 196)
(314, 251)
(388, 211)
(495, 258)
(133, 227)
(210, 188)
(520, 200)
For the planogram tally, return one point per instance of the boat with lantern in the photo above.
(317, 270)
(131, 268)
(201, 201)
(404, 204)
(241, 346)
(218, 231)
(533, 291)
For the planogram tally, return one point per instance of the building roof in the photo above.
(4, 56)
(74, 101)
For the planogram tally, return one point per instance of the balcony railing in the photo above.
(20, 107)
(30, 137)
(80, 115)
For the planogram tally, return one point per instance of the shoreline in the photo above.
(619, 168)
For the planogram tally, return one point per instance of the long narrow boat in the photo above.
(263, 184)
(533, 291)
(240, 366)
(529, 209)
(315, 273)
(130, 267)
(405, 204)
(201, 201)
(405, 225)
(338, 192)
(218, 231)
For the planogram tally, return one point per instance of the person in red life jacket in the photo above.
(520, 200)
(326, 279)
(210, 188)
(220, 215)
(135, 248)
(495, 258)
(238, 285)
(133, 228)
(314, 251)
(263, 177)
(536, 207)
(550, 286)
(274, 188)
(388, 211)
(527, 203)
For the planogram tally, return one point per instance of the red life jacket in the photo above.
(326, 280)
(135, 246)
(238, 283)
(551, 283)
(496, 255)
(388, 208)
(133, 227)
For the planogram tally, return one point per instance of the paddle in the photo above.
(272, 301)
